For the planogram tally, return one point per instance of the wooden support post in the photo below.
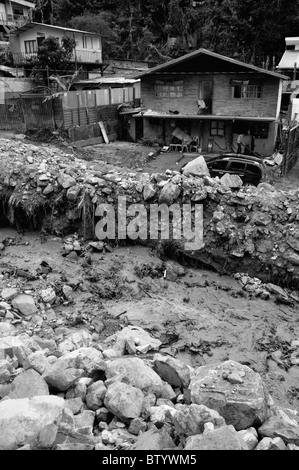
(78, 107)
(285, 152)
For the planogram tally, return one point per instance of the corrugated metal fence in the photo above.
(291, 151)
(86, 107)
(11, 115)
(70, 109)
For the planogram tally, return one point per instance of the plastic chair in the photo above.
(194, 146)
(175, 147)
(185, 146)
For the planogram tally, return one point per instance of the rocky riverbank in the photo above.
(122, 394)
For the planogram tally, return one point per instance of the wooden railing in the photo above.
(13, 20)
(80, 56)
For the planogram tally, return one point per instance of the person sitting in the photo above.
(240, 142)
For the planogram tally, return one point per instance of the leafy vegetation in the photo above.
(53, 58)
(249, 30)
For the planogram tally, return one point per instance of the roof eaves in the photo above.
(201, 51)
(33, 24)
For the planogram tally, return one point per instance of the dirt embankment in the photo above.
(246, 229)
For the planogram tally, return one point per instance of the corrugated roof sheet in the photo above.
(120, 80)
(201, 117)
(200, 52)
(288, 60)
(32, 24)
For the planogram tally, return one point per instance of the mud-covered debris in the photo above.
(98, 246)
(142, 340)
(48, 295)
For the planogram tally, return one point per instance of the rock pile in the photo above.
(103, 396)
(246, 229)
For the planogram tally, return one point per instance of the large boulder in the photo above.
(169, 193)
(190, 420)
(73, 192)
(231, 181)
(124, 401)
(159, 415)
(76, 340)
(281, 425)
(173, 371)
(84, 362)
(197, 167)
(136, 373)
(28, 384)
(149, 191)
(154, 439)
(8, 293)
(267, 443)
(250, 437)
(84, 419)
(66, 181)
(232, 389)
(20, 346)
(25, 304)
(223, 438)
(37, 361)
(32, 421)
(95, 395)
(7, 329)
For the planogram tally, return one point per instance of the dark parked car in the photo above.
(252, 170)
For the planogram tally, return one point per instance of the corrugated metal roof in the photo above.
(211, 117)
(31, 25)
(99, 80)
(288, 60)
(24, 3)
(198, 53)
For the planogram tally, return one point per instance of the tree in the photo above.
(53, 58)
(249, 30)
(99, 24)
